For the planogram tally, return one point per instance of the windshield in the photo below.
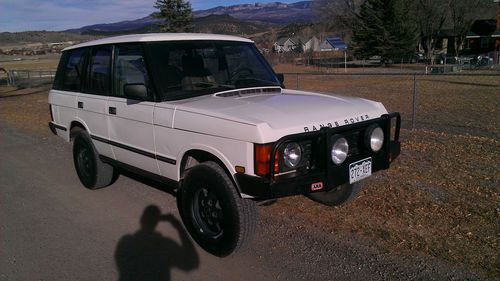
(184, 69)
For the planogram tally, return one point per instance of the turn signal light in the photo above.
(263, 159)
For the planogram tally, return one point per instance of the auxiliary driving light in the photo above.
(340, 149)
(292, 154)
(374, 138)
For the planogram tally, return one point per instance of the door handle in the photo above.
(80, 104)
(112, 110)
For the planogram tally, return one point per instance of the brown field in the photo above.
(441, 196)
(47, 62)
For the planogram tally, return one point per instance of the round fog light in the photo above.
(375, 138)
(340, 149)
(292, 154)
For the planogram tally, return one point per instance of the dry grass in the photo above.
(26, 109)
(441, 196)
(32, 63)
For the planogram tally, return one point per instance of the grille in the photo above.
(355, 141)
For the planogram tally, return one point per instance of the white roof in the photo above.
(150, 37)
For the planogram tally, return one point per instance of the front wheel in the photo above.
(214, 214)
(337, 196)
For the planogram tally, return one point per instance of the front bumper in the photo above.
(325, 173)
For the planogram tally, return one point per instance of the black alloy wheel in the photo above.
(214, 214)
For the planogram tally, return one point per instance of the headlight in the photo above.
(340, 149)
(292, 155)
(374, 138)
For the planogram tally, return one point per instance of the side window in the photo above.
(129, 68)
(73, 71)
(100, 71)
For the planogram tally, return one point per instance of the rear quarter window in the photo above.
(70, 76)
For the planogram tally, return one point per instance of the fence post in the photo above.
(414, 111)
(298, 77)
(13, 79)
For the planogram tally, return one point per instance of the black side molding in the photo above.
(135, 150)
(53, 126)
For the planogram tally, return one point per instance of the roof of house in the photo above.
(336, 43)
(149, 37)
(282, 40)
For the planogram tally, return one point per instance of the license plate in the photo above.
(360, 170)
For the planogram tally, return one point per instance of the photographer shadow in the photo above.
(148, 255)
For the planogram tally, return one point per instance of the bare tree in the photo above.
(431, 16)
(463, 13)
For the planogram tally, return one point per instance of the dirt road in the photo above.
(54, 229)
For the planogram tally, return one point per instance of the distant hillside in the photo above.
(270, 12)
(9, 38)
(121, 27)
(225, 24)
(221, 24)
(277, 13)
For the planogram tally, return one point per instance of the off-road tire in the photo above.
(337, 196)
(92, 172)
(234, 222)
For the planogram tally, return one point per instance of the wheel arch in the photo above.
(77, 123)
(193, 156)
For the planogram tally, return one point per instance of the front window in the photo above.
(187, 69)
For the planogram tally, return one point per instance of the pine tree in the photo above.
(177, 15)
(383, 28)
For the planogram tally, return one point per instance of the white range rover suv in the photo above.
(207, 115)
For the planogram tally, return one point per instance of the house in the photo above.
(481, 37)
(333, 44)
(279, 46)
(310, 44)
(484, 36)
(291, 43)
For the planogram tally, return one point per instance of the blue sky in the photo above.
(55, 15)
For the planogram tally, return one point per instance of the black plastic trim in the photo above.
(140, 172)
(135, 150)
(53, 126)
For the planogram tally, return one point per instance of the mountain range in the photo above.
(258, 13)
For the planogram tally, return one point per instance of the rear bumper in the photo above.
(327, 175)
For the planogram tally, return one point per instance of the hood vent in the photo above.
(250, 92)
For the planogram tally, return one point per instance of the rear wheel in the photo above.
(337, 196)
(214, 214)
(92, 172)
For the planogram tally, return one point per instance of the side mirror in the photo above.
(281, 78)
(137, 91)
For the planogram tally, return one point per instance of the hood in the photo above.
(266, 117)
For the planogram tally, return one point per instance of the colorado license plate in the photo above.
(360, 169)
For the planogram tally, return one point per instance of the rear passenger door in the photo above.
(130, 113)
(92, 101)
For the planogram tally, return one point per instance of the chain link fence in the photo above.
(455, 103)
(27, 78)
